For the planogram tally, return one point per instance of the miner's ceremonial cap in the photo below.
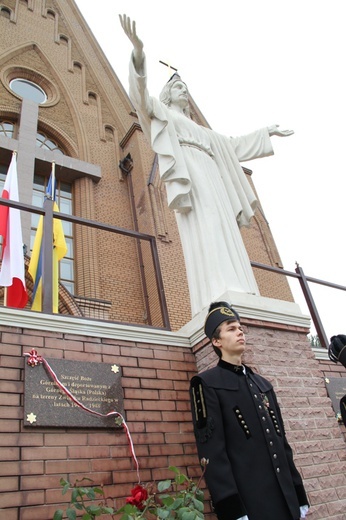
(217, 316)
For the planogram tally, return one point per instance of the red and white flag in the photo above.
(12, 273)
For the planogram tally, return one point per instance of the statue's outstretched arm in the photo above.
(274, 130)
(130, 31)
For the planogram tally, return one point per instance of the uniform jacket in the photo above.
(239, 428)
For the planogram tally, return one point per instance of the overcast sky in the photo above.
(250, 64)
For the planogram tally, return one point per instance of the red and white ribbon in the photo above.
(34, 359)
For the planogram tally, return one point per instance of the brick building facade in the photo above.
(114, 313)
(89, 116)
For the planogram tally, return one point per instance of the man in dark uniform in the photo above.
(337, 352)
(337, 349)
(239, 429)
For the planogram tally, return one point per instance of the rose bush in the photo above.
(172, 499)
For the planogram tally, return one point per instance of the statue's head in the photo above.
(166, 96)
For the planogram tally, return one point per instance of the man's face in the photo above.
(231, 339)
(179, 94)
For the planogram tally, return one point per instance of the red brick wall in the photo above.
(155, 383)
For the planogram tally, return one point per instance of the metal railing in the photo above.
(303, 281)
(47, 282)
(47, 278)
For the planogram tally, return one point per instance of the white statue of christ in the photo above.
(205, 183)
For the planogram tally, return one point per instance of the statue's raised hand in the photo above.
(129, 28)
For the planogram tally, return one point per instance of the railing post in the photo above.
(312, 307)
(159, 283)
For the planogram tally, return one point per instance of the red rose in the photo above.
(139, 495)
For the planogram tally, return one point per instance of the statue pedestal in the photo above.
(253, 307)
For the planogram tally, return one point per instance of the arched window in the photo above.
(43, 141)
(7, 129)
(63, 39)
(5, 12)
(28, 90)
(92, 98)
(109, 133)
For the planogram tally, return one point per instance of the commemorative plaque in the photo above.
(336, 388)
(84, 388)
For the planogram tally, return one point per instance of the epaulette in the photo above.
(204, 425)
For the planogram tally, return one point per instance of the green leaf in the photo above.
(130, 509)
(74, 495)
(162, 513)
(58, 514)
(167, 500)
(174, 469)
(99, 491)
(177, 503)
(198, 504)
(181, 511)
(65, 488)
(90, 494)
(189, 515)
(86, 516)
(180, 479)
(71, 514)
(163, 485)
(94, 509)
(65, 485)
(78, 506)
(200, 495)
(125, 516)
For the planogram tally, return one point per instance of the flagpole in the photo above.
(53, 180)
(47, 245)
